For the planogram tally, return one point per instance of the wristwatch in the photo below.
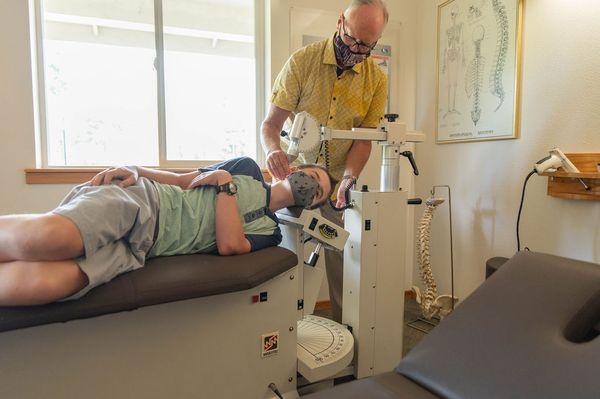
(229, 188)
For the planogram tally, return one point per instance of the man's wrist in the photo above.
(350, 175)
(134, 169)
(273, 150)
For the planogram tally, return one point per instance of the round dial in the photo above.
(232, 188)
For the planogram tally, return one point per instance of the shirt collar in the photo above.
(329, 56)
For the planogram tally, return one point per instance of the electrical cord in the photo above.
(273, 388)
(521, 208)
(326, 150)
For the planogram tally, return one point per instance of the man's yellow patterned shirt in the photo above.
(309, 82)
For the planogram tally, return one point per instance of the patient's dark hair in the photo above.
(332, 180)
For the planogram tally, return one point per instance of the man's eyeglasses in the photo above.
(356, 46)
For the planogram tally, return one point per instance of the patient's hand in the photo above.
(128, 174)
(211, 178)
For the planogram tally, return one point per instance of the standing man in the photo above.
(336, 82)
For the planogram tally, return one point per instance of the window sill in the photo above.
(81, 175)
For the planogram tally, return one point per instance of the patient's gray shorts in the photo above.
(117, 225)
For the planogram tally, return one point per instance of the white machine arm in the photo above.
(307, 133)
(390, 133)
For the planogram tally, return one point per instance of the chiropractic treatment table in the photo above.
(204, 326)
(530, 331)
(181, 327)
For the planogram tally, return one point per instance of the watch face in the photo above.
(232, 188)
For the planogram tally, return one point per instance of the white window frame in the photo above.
(259, 54)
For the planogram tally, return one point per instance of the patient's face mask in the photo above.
(304, 188)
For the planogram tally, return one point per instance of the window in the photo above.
(157, 83)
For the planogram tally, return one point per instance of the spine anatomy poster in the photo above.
(478, 70)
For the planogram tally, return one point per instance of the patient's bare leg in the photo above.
(39, 237)
(35, 283)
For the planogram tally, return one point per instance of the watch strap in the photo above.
(350, 177)
(224, 188)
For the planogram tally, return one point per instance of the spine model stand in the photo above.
(430, 303)
(474, 76)
(496, 85)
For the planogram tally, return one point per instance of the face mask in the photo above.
(304, 188)
(346, 59)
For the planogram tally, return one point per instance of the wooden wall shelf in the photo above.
(567, 185)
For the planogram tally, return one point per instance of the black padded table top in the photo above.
(162, 280)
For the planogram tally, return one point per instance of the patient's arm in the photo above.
(230, 238)
(182, 180)
(130, 174)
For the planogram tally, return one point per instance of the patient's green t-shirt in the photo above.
(186, 220)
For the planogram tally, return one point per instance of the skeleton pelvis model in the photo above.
(430, 303)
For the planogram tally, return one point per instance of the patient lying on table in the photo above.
(124, 216)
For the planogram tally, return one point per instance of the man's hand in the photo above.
(128, 174)
(345, 185)
(277, 164)
(211, 178)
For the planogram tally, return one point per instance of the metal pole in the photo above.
(390, 168)
(451, 244)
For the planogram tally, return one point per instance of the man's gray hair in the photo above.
(377, 3)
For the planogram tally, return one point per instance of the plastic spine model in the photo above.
(430, 303)
(474, 76)
(496, 86)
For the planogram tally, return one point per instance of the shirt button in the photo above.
(331, 117)
(333, 98)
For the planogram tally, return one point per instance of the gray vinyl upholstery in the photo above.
(508, 339)
(493, 264)
(162, 280)
(530, 331)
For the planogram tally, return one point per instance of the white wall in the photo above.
(560, 107)
(17, 150)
